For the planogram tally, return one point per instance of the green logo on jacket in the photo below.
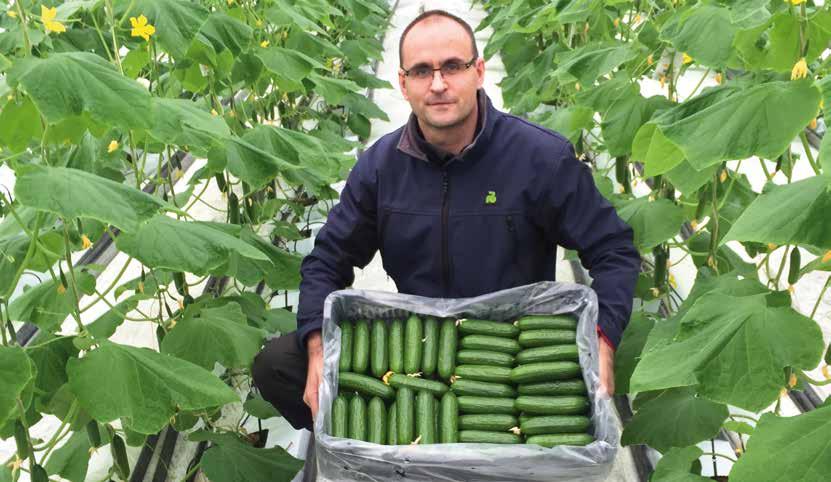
(490, 198)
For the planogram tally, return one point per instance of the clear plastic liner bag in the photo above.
(341, 459)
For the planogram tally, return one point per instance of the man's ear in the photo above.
(402, 84)
(480, 72)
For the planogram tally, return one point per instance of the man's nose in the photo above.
(437, 84)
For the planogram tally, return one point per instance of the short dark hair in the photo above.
(434, 13)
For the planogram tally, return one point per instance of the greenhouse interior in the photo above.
(166, 162)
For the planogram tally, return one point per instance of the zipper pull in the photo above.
(510, 222)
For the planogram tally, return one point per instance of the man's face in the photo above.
(440, 101)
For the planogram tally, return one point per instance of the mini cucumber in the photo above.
(561, 387)
(548, 354)
(486, 405)
(552, 440)
(555, 424)
(480, 436)
(469, 326)
(430, 354)
(484, 373)
(376, 421)
(464, 386)
(547, 322)
(340, 417)
(398, 380)
(483, 357)
(346, 336)
(545, 372)
(405, 408)
(448, 342)
(360, 347)
(491, 343)
(392, 425)
(533, 338)
(413, 346)
(378, 348)
(541, 405)
(488, 422)
(449, 419)
(365, 384)
(396, 349)
(357, 418)
(425, 418)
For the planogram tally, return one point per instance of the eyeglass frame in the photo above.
(466, 65)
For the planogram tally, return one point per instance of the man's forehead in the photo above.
(436, 39)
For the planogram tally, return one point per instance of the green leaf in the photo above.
(176, 21)
(184, 123)
(72, 193)
(222, 460)
(284, 14)
(624, 118)
(105, 325)
(16, 372)
(705, 32)
(226, 33)
(653, 221)
(280, 271)
(333, 90)
(739, 427)
(658, 153)
(72, 459)
(280, 320)
(288, 66)
(19, 124)
(143, 387)
(775, 44)
(687, 179)
(788, 448)
(629, 350)
(50, 360)
(44, 306)
(591, 61)
(359, 103)
(676, 466)
(260, 408)
(568, 121)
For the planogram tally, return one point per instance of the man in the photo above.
(461, 201)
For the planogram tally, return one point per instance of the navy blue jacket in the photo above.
(485, 220)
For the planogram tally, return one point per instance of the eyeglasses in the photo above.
(448, 69)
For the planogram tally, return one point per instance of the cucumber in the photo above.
(425, 418)
(396, 350)
(468, 326)
(366, 385)
(794, 265)
(449, 415)
(448, 342)
(360, 347)
(555, 424)
(488, 422)
(93, 434)
(376, 421)
(118, 451)
(560, 439)
(545, 372)
(561, 387)
(491, 343)
(398, 380)
(547, 322)
(464, 386)
(532, 338)
(357, 418)
(481, 436)
(486, 405)
(340, 417)
(482, 357)
(38, 473)
(484, 373)
(378, 348)
(430, 355)
(565, 405)
(392, 425)
(548, 354)
(405, 408)
(21, 439)
(413, 334)
(523, 417)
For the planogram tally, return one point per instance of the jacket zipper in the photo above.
(445, 262)
(509, 221)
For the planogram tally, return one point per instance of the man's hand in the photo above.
(607, 367)
(314, 348)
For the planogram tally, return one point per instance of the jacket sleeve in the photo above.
(583, 220)
(347, 239)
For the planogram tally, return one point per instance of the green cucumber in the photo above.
(360, 347)
(398, 380)
(365, 384)
(405, 407)
(448, 342)
(118, 451)
(488, 422)
(449, 415)
(346, 337)
(464, 386)
(523, 417)
(357, 418)
(413, 334)
(93, 434)
(233, 208)
(486, 405)
(481, 436)
(21, 439)
(430, 354)
(555, 424)
(469, 326)
(484, 373)
(545, 372)
(491, 343)
(482, 357)
(396, 350)
(392, 425)
(561, 387)
(39, 474)
(533, 338)
(340, 417)
(552, 440)
(425, 418)
(565, 405)
(378, 349)
(547, 322)
(548, 354)
(376, 421)
(794, 265)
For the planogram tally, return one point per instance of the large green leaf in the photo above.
(16, 372)
(629, 351)
(589, 62)
(677, 466)
(73, 193)
(224, 32)
(569, 121)
(184, 123)
(66, 85)
(280, 271)
(105, 325)
(653, 221)
(72, 459)
(705, 32)
(142, 387)
(623, 119)
(776, 43)
(45, 306)
(176, 21)
(658, 153)
(50, 356)
(231, 460)
(19, 124)
(333, 90)
(289, 66)
(687, 179)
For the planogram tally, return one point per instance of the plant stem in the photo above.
(24, 28)
(700, 81)
(819, 298)
(75, 295)
(29, 253)
(781, 266)
(715, 454)
(109, 288)
(810, 380)
(808, 152)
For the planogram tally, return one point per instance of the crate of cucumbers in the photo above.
(496, 387)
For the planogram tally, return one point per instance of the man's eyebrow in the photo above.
(427, 64)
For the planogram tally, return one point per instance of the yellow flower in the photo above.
(813, 124)
(662, 80)
(47, 16)
(826, 257)
(791, 289)
(264, 44)
(637, 18)
(655, 292)
(718, 78)
(649, 60)
(694, 224)
(616, 22)
(826, 372)
(112, 146)
(800, 69)
(783, 392)
(771, 246)
(214, 112)
(140, 287)
(686, 58)
(577, 86)
(61, 289)
(723, 176)
(141, 28)
(795, 2)
(672, 281)
(11, 13)
(822, 103)
(739, 450)
(85, 241)
(230, 2)
(259, 23)
(586, 29)
(792, 380)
